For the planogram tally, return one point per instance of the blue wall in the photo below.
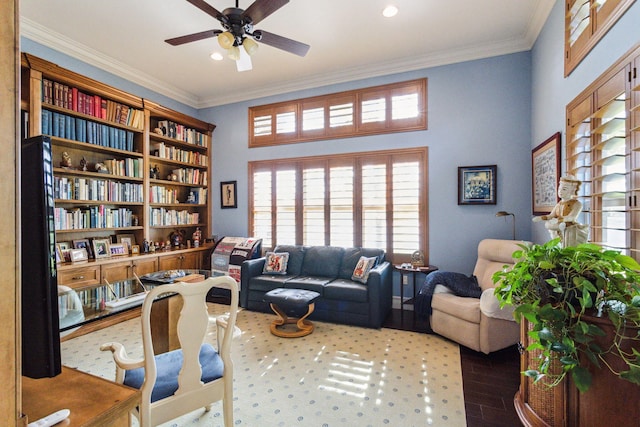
(478, 113)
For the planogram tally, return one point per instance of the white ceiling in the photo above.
(350, 39)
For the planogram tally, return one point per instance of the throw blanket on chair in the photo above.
(458, 283)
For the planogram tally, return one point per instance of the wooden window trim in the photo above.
(599, 25)
(419, 122)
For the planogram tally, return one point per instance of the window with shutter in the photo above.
(375, 199)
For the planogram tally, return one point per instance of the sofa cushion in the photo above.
(276, 263)
(310, 283)
(346, 290)
(266, 282)
(296, 257)
(322, 261)
(460, 307)
(363, 267)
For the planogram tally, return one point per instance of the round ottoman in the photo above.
(297, 303)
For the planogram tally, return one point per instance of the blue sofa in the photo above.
(327, 270)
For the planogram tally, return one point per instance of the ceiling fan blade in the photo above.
(206, 8)
(176, 41)
(244, 63)
(280, 42)
(260, 9)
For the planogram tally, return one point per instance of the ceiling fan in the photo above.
(238, 31)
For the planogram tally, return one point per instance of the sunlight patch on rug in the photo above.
(337, 376)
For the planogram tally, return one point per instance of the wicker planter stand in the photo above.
(609, 402)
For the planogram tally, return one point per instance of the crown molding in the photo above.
(65, 45)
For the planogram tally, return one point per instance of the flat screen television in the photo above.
(40, 323)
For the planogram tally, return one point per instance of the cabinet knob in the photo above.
(78, 277)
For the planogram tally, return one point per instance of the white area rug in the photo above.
(337, 376)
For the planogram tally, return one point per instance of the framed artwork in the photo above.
(228, 195)
(545, 175)
(128, 240)
(477, 185)
(117, 249)
(83, 244)
(135, 249)
(78, 254)
(101, 248)
(62, 251)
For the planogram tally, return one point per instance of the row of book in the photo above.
(95, 298)
(177, 131)
(67, 188)
(190, 176)
(170, 152)
(125, 167)
(164, 217)
(64, 96)
(162, 194)
(92, 217)
(82, 130)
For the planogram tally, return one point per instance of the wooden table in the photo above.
(405, 272)
(93, 401)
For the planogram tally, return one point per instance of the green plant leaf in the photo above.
(632, 375)
(581, 378)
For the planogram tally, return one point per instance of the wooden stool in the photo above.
(294, 303)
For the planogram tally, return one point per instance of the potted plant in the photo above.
(560, 291)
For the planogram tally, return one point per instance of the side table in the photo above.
(411, 272)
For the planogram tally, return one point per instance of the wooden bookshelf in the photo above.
(137, 168)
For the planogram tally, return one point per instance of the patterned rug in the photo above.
(337, 376)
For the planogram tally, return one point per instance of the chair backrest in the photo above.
(192, 328)
(493, 255)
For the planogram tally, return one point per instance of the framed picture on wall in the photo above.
(228, 195)
(477, 185)
(545, 175)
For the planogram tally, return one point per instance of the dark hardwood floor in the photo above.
(489, 381)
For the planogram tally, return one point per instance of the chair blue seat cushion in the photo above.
(168, 367)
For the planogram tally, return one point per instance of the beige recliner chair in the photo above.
(479, 324)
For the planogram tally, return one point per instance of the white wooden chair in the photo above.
(193, 376)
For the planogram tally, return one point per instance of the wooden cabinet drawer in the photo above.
(79, 277)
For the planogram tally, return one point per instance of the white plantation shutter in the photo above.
(313, 205)
(313, 119)
(404, 106)
(374, 206)
(373, 110)
(286, 207)
(341, 115)
(341, 205)
(406, 209)
(262, 218)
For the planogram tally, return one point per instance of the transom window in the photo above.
(395, 107)
(376, 199)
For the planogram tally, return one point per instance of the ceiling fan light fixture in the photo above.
(234, 53)
(250, 46)
(226, 40)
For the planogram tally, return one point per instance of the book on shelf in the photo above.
(64, 96)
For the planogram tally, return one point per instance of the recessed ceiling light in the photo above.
(217, 56)
(390, 11)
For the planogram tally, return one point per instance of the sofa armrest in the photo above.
(249, 268)
(490, 306)
(379, 285)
